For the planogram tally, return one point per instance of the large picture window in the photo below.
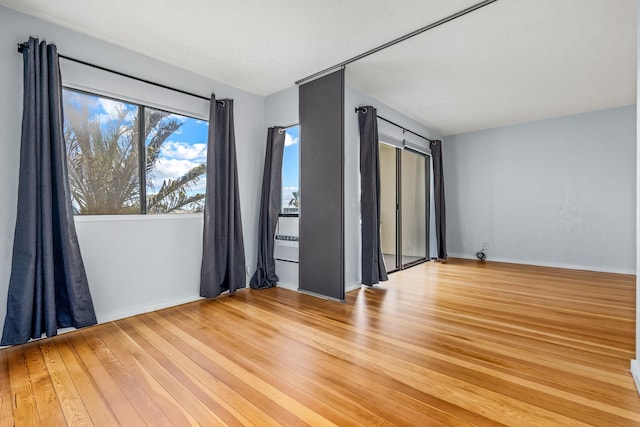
(126, 158)
(290, 204)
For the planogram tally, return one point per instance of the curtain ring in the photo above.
(281, 131)
(222, 103)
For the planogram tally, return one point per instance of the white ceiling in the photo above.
(510, 62)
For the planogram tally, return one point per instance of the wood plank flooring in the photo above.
(457, 344)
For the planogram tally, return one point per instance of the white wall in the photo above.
(134, 263)
(281, 108)
(558, 192)
(352, 241)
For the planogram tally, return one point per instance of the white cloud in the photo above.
(110, 106)
(184, 150)
(289, 140)
(200, 187)
(112, 110)
(172, 168)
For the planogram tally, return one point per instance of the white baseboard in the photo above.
(133, 311)
(635, 373)
(288, 286)
(599, 269)
(348, 287)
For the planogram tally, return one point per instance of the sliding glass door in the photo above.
(413, 190)
(404, 208)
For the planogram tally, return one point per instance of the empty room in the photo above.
(418, 213)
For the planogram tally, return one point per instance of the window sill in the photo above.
(137, 217)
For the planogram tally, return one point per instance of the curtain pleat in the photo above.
(48, 287)
(265, 275)
(373, 268)
(438, 196)
(223, 260)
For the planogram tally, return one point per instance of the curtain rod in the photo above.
(400, 39)
(404, 129)
(23, 46)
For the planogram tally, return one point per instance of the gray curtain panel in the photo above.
(373, 268)
(438, 196)
(223, 261)
(48, 286)
(265, 275)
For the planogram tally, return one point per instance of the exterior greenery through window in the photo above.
(107, 172)
(290, 202)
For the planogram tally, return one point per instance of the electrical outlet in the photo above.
(464, 243)
(485, 245)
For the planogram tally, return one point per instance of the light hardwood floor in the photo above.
(456, 343)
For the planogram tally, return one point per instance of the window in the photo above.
(126, 158)
(290, 204)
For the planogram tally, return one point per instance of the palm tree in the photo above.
(103, 160)
(294, 201)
